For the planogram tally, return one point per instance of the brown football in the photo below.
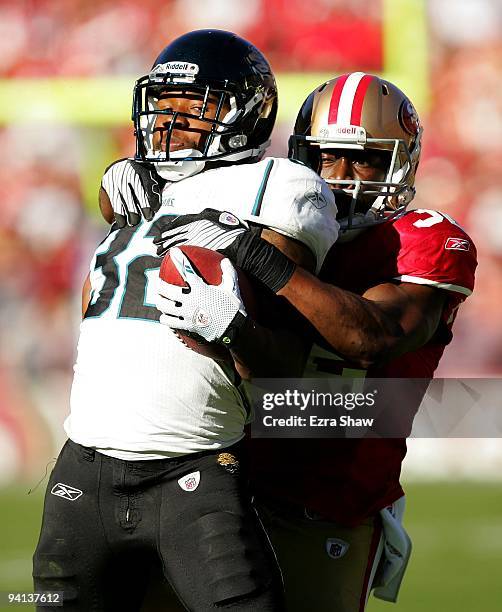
(207, 264)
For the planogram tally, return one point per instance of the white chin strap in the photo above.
(178, 170)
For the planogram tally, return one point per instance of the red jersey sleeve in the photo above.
(435, 251)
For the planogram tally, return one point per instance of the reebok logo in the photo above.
(66, 491)
(316, 197)
(457, 244)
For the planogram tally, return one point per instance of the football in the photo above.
(207, 264)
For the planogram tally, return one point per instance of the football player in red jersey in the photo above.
(385, 302)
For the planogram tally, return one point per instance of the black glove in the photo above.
(225, 233)
(134, 189)
(212, 229)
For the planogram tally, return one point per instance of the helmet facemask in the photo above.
(384, 200)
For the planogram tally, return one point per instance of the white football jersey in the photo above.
(278, 193)
(138, 392)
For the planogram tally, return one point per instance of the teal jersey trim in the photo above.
(261, 191)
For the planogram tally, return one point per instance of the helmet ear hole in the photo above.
(237, 141)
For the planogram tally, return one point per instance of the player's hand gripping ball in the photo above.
(204, 299)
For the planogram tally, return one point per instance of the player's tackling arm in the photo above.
(387, 321)
(260, 351)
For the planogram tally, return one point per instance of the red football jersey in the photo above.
(348, 480)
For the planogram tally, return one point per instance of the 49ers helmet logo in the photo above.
(408, 118)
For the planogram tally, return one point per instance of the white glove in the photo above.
(134, 189)
(214, 312)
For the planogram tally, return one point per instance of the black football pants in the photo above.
(106, 521)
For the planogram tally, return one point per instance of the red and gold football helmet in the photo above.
(359, 111)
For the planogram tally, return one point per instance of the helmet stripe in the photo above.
(357, 106)
(335, 98)
(347, 97)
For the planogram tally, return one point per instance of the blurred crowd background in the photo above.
(49, 224)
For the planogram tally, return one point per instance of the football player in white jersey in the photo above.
(153, 468)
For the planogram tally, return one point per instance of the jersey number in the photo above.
(132, 302)
(434, 218)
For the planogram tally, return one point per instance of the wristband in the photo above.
(232, 332)
(263, 260)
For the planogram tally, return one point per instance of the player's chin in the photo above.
(181, 145)
(344, 202)
(178, 146)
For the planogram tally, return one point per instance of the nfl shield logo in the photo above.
(336, 548)
(201, 318)
(190, 482)
(228, 219)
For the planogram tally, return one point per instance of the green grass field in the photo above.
(456, 565)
